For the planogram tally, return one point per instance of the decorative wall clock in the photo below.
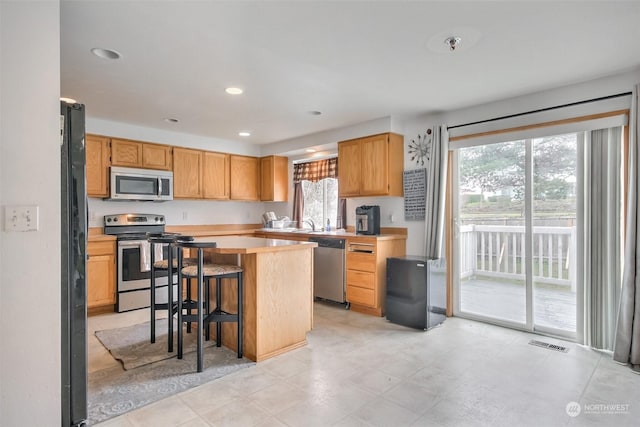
(420, 148)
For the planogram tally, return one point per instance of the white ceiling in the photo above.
(353, 61)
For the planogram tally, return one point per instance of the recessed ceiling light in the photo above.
(310, 150)
(315, 112)
(233, 90)
(105, 53)
(69, 100)
(170, 120)
(244, 133)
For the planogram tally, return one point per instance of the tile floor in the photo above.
(360, 370)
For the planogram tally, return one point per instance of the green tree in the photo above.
(501, 167)
(492, 167)
(554, 163)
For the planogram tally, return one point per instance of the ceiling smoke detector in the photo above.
(452, 42)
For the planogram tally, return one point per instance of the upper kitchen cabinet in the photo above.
(137, 154)
(350, 168)
(215, 175)
(245, 177)
(371, 166)
(187, 173)
(274, 185)
(97, 155)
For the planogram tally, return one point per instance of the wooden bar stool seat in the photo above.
(163, 264)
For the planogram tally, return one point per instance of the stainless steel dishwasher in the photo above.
(329, 269)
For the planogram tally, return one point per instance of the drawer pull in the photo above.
(362, 251)
(365, 248)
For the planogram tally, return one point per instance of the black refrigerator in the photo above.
(416, 291)
(74, 267)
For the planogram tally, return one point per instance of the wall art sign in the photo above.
(415, 194)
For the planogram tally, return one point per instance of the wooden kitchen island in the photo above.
(278, 292)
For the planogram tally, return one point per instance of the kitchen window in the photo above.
(321, 201)
(316, 193)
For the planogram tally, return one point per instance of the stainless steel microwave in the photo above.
(141, 184)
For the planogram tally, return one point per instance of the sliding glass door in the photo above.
(554, 239)
(515, 246)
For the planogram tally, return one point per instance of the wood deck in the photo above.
(554, 307)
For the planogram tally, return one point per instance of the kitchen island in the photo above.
(278, 292)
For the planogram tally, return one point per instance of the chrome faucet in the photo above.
(311, 223)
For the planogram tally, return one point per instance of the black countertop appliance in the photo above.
(368, 219)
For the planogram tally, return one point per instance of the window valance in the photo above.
(315, 171)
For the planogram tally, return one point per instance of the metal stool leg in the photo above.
(152, 303)
(179, 305)
(190, 299)
(239, 311)
(170, 298)
(207, 311)
(199, 311)
(218, 309)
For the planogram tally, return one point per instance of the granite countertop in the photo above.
(280, 233)
(249, 245)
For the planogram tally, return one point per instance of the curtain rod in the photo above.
(541, 110)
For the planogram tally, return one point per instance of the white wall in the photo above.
(30, 174)
(169, 137)
(183, 212)
(332, 136)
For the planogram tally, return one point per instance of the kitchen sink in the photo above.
(293, 230)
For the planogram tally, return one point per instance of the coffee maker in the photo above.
(368, 219)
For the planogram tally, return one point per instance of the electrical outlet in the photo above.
(392, 218)
(21, 218)
(185, 215)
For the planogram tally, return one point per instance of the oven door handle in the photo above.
(130, 243)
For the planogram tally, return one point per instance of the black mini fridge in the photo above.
(416, 291)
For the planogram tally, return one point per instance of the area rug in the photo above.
(132, 347)
(114, 391)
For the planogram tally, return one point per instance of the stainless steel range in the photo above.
(133, 275)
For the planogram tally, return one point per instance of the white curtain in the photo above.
(627, 340)
(436, 166)
(601, 238)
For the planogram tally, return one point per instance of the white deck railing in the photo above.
(498, 251)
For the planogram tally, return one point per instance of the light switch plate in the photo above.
(21, 218)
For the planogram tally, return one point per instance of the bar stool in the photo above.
(204, 273)
(169, 265)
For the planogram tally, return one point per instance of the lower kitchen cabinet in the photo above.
(367, 271)
(366, 266)
(101, 276)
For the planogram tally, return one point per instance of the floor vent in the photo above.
(549, 346)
